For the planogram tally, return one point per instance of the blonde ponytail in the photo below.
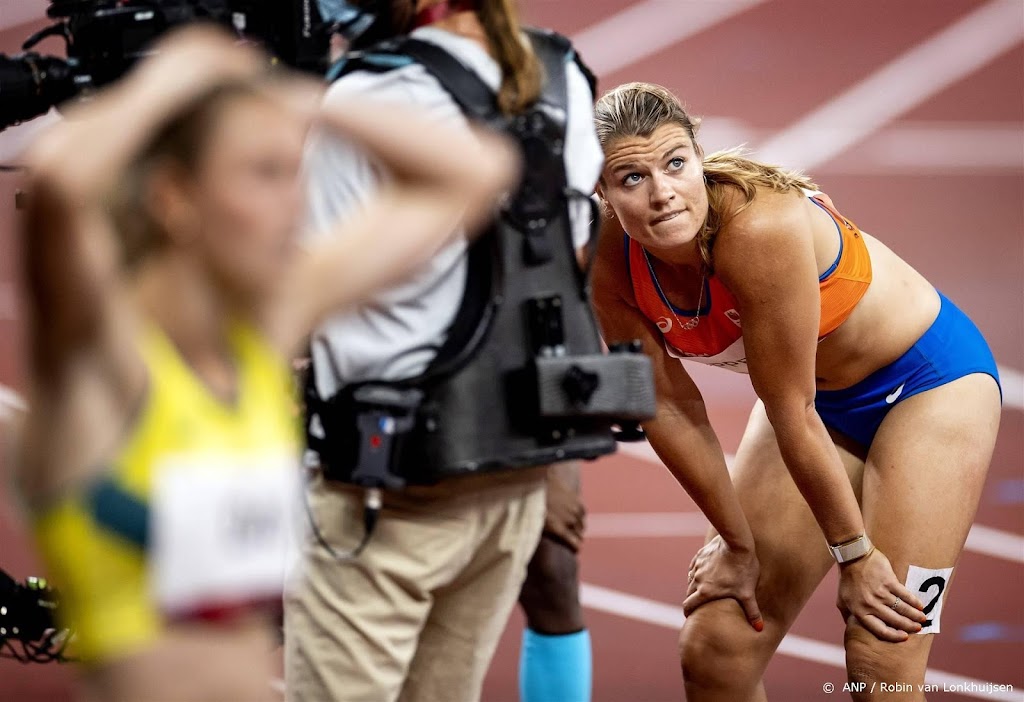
(520, 69)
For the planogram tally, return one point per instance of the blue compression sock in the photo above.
(555, 668)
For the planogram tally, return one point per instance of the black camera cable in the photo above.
(373, 501)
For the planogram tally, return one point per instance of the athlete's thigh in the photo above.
(790, 546)
(923, 478)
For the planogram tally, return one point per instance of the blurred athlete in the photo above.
(166, 291)
(878, 411)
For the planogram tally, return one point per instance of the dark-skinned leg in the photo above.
(555, 659)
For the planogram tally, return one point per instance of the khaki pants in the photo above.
(418, 615)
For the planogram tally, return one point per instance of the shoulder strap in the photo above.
(480, 299)
(552, 51)
(475, 98)
(478, 102)
(379, 58)
(473, 95)
(587, 73)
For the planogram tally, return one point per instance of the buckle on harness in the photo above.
(383, 416)
(372, 421)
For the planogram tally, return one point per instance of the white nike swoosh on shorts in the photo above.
(889, 399)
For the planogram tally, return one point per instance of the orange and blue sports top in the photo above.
(717, 339)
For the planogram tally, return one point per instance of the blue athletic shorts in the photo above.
(950, 349)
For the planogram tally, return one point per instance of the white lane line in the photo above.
(981, 539)
(907, 148)
(669, 616)
(1013, 387)
(11, 404)
(993, 542)
(645, 452)
(926, 148)
(649, 611)
(645, 525)
(933, 65)
(645, 28)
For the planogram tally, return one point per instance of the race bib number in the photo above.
(930, 588)
(224, 530)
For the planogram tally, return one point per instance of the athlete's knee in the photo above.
(550, 594)
(865, 664)
(874, 667)
(700, 653)
(553, 572)
(719, 649)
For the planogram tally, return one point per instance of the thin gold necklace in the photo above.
(695, 320)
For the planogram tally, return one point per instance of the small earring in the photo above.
(606, 210)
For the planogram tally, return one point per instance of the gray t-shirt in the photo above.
(397, 333)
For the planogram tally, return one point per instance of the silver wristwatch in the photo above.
(851, 550)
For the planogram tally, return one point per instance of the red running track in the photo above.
(919, 137)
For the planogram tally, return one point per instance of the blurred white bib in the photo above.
(223, 530)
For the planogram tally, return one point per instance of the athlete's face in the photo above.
(655, 185)
(248, 194)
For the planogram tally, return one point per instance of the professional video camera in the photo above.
(105, 37)
(27, 617)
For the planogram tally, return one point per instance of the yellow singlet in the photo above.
(95, 538)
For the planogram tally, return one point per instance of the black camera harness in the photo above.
(521, 379)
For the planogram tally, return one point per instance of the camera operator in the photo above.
(417, 616)
(166, 293)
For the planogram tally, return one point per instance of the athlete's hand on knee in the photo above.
(720, 572)
(566, 517)
(870, 591)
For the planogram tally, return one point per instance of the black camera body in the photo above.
(105, 37)
(28, 617)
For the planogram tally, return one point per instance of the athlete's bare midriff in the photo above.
(898, 307)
